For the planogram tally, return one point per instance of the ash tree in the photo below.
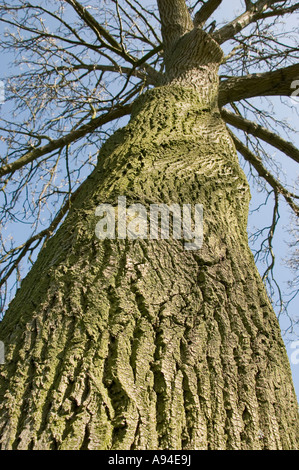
(139, 343)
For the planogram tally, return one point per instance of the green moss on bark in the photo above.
(122, 344)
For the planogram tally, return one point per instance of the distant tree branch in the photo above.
(144, 71)
(257, 163)
(270, 237)
(23, 249)
(65, 140)
(262, 133)
(205, 12)
(277, 83)
(280, 11)
(44, 34)
(254, 12)
(100, 31)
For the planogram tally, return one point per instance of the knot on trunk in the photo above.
(193, 62)
(194, 49)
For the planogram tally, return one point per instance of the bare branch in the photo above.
(280, 11)
(100, 31)
(271, 237)
(205, 12)
(254, 13)
(262, 133)
(145, 72)
(140, 14)
(277, 83)
(23, 249)
(264, 173)
(65, 140)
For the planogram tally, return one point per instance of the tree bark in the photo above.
(142, 344)
(274, 83)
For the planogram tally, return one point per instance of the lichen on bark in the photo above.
(140, 344)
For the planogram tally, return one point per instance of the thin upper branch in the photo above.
(23, 249)
(252, 14)
(100, 31)
(147, 73)
(262, 133)
(264, 173)
(65, 140)
(277, 83)
(205, 12)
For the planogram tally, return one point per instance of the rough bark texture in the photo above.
(122, 344)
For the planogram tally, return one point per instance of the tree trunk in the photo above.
(142, 344)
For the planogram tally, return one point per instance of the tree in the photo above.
(143, 344)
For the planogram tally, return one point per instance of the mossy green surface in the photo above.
(122, 344)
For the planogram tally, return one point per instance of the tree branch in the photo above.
(175, 20)
(205, 12)
(23, 249)
(146, 73)
(270, 237)
(277, 83)
(252, 14)
(100, 31)
(264, 173)
(280, 11)
(262, 133)
(65, 140)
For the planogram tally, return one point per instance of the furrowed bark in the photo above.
(175, 22)
(142, 344)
